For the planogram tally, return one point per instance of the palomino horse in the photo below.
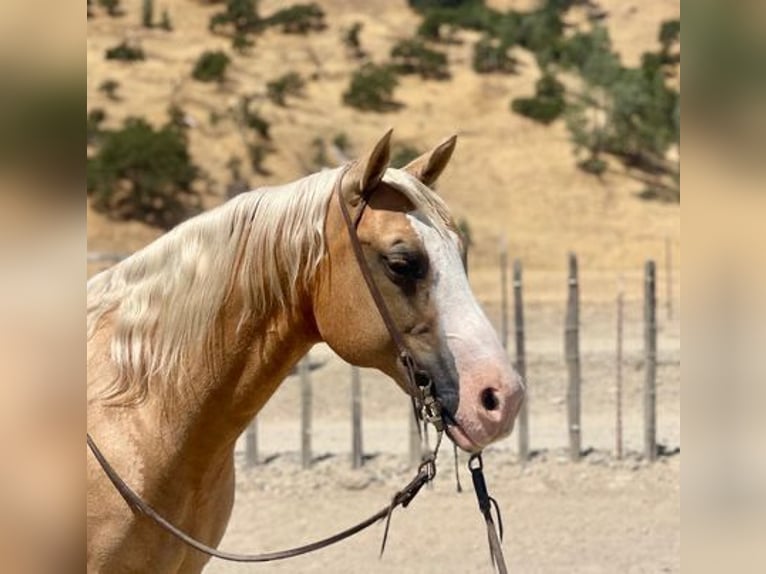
(189, 337)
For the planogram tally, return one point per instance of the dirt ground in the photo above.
(598, 515)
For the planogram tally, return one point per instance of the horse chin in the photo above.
(462, 440)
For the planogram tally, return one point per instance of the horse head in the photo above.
(415, 255)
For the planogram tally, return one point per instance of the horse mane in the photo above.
(163, 300)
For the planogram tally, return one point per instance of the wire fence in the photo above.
(599, 350)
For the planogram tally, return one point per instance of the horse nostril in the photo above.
(489, 399)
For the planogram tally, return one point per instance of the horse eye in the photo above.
(404, 266)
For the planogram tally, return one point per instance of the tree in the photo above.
(109, 88)
(125, 52)
(96, 117)
(414, 57)
(669, 34)
(211, 66)
(144, 174)
(299, 19)
(491, 55)
(643, 116)
(289, 84)
(589, 117)
(540, 32)
(372, 88)
(547, 104)
(241, 18)
(352, 42)
(425, 5)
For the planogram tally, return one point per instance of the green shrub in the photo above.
(241, 14)
(414, 57)
(471, 16)
(253, 120)
(490, 56)
(96, 117)
(403, 154)
(351, 40)
(144, 174)
(548, 103)
(342, 142)
(290, 84)
(109, 89)
(372, 88)
(543, 110)
(125, 52)
(211, 66)
(257, 153)
(539, 31)
(548, 86)
(670, 32)
(241, 42)
(425, 5)
(593, 165)
(298, 19)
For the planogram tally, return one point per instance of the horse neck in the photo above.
(253, 358)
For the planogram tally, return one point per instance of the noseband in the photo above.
(427, 408)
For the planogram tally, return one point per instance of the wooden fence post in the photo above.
(306, 400)
(618, 366)
(251, 443)
(521, 358)
(572, 354)
(357, 456)
(650, 359)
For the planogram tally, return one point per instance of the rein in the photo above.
(426, 406)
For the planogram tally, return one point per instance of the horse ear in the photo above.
(429, 166)
(367, 171)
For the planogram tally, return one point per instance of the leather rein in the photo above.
(425, 405)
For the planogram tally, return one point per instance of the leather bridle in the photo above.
(425, 404)
(420, 386)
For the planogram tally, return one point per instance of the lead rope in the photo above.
(428, 466)
(475, 465)
(426, 473)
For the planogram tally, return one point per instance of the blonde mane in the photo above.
(163, 300)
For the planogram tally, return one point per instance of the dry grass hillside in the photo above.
(509, 175)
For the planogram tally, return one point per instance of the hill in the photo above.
(509, 175)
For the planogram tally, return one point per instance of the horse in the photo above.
(190, 336)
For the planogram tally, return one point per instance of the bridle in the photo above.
(426, 407)
(420, 386)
